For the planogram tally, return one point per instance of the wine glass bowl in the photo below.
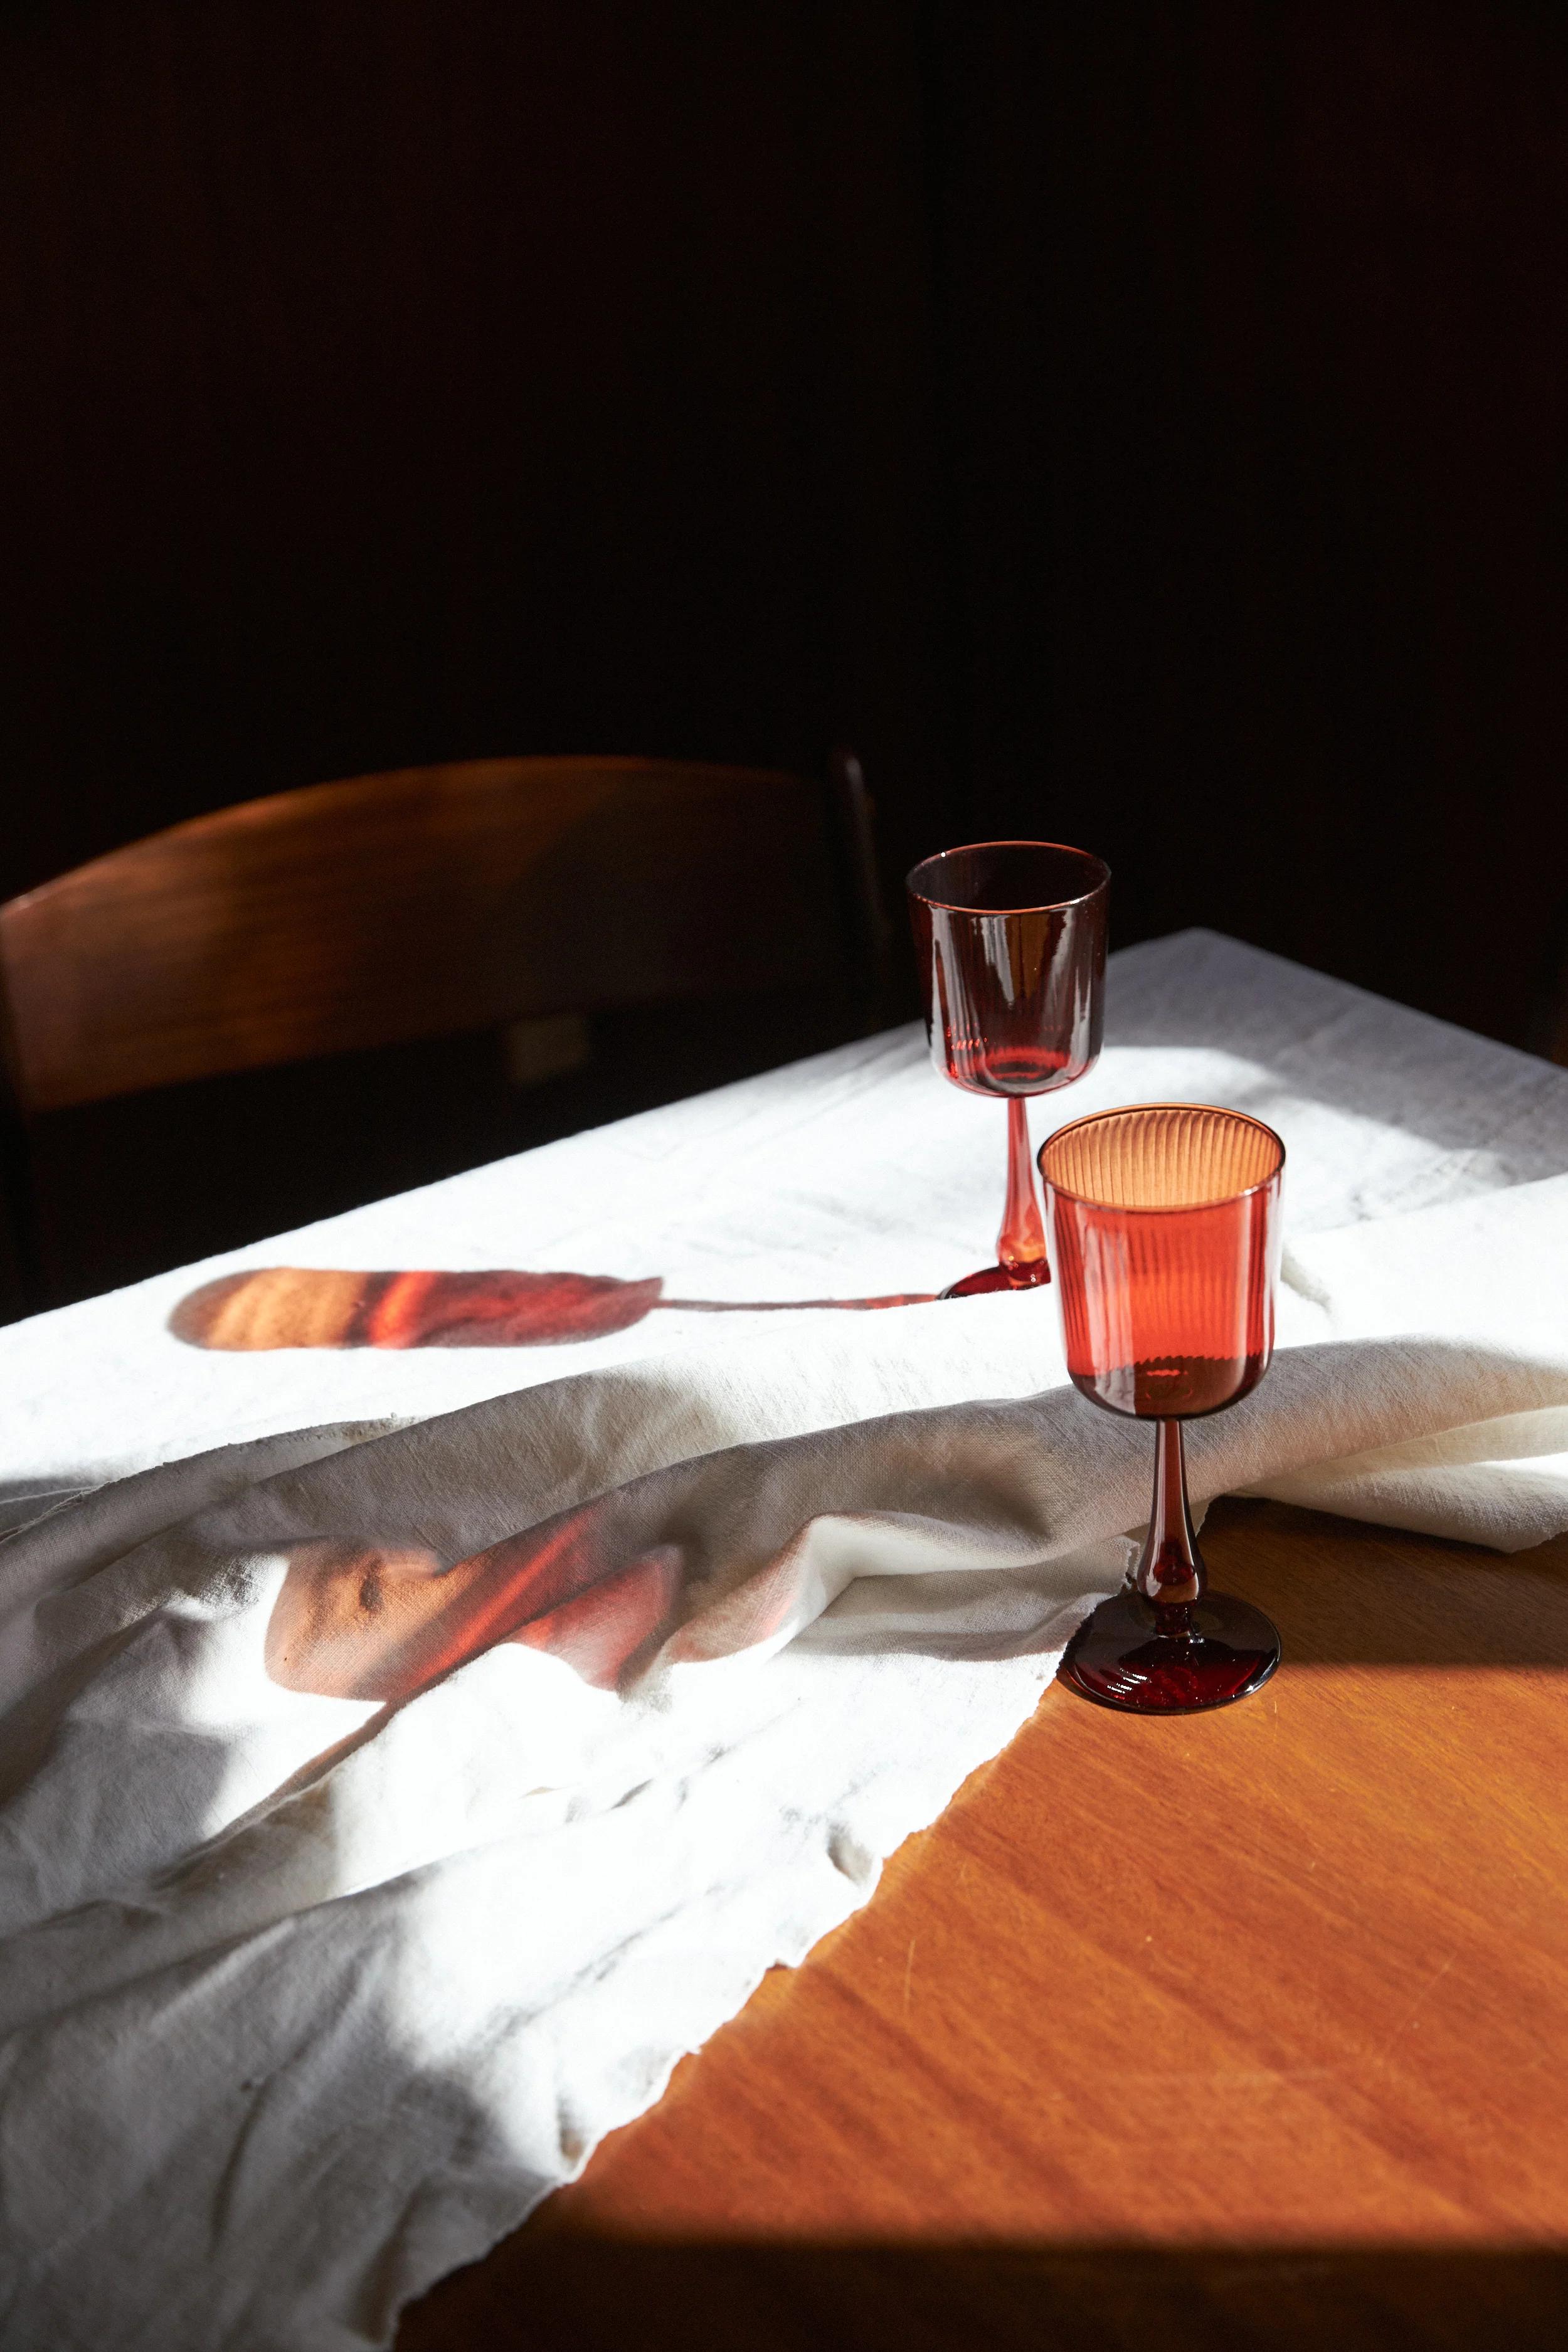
(1011, 941)
(1165, 1219)
(1167, 1238)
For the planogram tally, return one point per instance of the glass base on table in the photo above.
(1211, 1654)
(999, 1277)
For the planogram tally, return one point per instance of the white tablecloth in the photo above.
(347, 1896)
(858, 1174)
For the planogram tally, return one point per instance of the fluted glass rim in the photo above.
(1041, 906)
(1163, 1208)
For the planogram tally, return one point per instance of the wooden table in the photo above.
(1247, 2029)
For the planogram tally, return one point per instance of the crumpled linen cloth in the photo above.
(857, 1173)
(384, 1815)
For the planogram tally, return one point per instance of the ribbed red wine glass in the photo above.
(1011, 941)
(1165, 1219)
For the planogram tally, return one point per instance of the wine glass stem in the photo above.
(1171, 1572)
(1021, 1243)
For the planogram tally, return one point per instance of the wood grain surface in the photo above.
(1244, 2029)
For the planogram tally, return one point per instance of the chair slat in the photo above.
(415, 903)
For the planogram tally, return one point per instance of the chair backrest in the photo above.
(427, 901)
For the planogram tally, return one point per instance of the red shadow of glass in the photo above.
(327, 1307)
(385, 1621)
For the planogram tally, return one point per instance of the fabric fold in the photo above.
(388, 1805)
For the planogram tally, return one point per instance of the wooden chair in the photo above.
(426, 902)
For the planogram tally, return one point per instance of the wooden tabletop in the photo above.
(1242, 2027)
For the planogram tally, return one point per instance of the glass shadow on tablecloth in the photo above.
(358, 1617)
(383, 1621)
(329, 1306)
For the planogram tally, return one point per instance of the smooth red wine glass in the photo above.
(1011, 941)
(1166, 1224)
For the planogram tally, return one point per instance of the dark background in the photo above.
(1135, 424)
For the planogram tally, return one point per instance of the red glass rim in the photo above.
(1161, 1208)
(1024, 905)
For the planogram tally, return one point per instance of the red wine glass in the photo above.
(1166, 1224)
(1011, 941)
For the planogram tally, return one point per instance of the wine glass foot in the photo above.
(1119, 1656)
(999, 1277)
